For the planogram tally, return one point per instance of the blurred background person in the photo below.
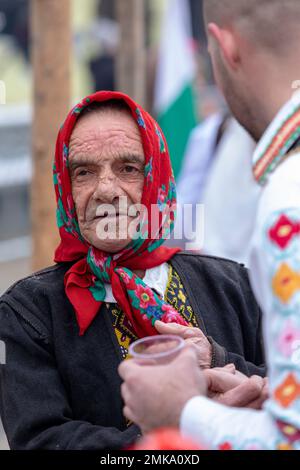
(230, 196)
(217, 173)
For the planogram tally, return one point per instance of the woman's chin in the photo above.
(111, 246)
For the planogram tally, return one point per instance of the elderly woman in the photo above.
(68, 327)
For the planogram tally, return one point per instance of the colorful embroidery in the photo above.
(140, 119)
(122, 327)
(289, 339)
(125, 276)
(162, 198)
(66, 155)
(145, 296)
(161, 141)
(225, 446)
(290, 432)
(286, 283)
(175, 297)
(283, 139)
(148, 171)
(232, 442)
(284, 231)
(76, 110)
(170, 315)
(288, 391)
(285, 446)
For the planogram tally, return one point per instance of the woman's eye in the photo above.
(130, 169)
(82, 173)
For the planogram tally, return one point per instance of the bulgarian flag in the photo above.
(174, 101)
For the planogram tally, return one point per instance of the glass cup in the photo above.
(159, 349)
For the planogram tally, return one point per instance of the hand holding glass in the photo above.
(159, 349)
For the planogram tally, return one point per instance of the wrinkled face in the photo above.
(106, 167)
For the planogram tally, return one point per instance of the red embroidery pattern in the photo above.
(225, 446)
(284, 231)
(289, 431)
(286, 133)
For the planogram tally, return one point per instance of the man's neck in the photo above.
(273, 98)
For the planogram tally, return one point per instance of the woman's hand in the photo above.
(192, 336)
(230, 387)
(225, 385)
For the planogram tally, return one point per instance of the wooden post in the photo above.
(51, 58)
(131, 57)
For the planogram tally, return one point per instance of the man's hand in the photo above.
(155, 395)
(226, 385)
(192, 336)
(232, 388)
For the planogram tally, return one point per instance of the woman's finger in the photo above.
(244, 394)
(221, 381)
(179, 330)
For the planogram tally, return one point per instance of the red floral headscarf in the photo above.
(84, 282)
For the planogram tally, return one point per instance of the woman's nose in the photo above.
(107, 188)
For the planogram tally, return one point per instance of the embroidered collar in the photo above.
(277, 140)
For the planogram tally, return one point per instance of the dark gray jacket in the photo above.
(62, 391)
